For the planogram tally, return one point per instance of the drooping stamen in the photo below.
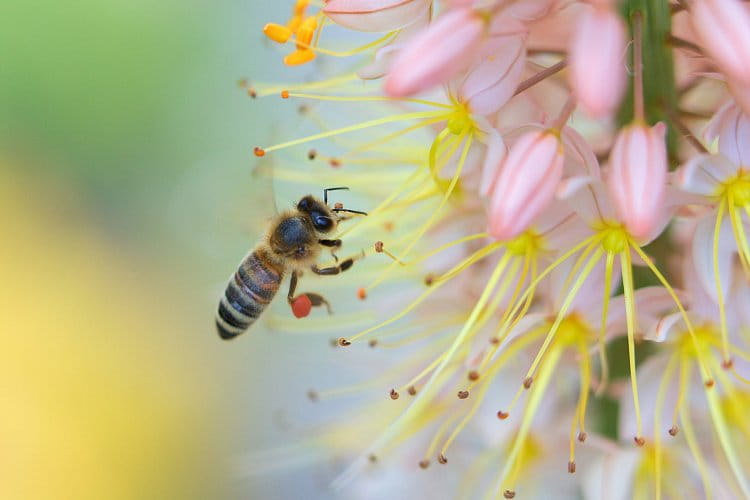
(629, 293)
(324, 97)
(603, 362)
(661, 394)
(694, 447)
(583, 397)
(717, 277)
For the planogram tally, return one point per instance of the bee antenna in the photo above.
(325, 192)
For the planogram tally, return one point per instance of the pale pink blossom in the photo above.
(493, 79)
(526, 183)
(638, 176)
(437, 54)
(723, 27)
(375, 15)
(597, 66)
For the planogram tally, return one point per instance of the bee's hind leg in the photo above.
(302, 303)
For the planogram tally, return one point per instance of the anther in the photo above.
(334, 162)
(494, 340)
(527, 383)
(571, 467)
(379, 246)
(312, 395)
(463, 394)
(412, 390)
(285, 94)
(372, 458)
(429, 279)
(259, 151)
(502, 415)
(639, 441)
(673, 430)
(473, 375)
(423, 464)
(373, 343)
(582, 436)
(362, 294)
(343, 342)
(727, 364)
(442, 459)
(709, 383)
(252, 92)
(338, 206)
(509, 494)
(394, 394)
(312, 154)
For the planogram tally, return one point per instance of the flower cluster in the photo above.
(582, 253)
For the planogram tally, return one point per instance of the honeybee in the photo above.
(292, 243)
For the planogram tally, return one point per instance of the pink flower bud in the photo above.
(638, 176)
(375, 15)
(597, 69)
(490, 83)
(434, 56)
(723, 27)
(526, 184)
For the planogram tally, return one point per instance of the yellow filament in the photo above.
(576, 267)
(422, 332)
(695, 450)
(739, 236)
(609, 267)
(478, 398)
(354, 128)
(324, 97)
(478, 255)
(682, 389)
(704, 369)
(422, 374)
(583, 397)
(394, 135)
(264, 90)
(564, 309)
(439, 435)
(572, 438)
(722, 431)
(717, 277)
(505, 328)
(668, 372)
(535, 398)
(629, 292)
(510, 277)
(346, 53)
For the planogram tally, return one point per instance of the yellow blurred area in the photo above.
(93, 404)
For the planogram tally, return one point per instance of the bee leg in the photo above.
(319, 300)
(337, 269)
(333, 245)
(292, 287)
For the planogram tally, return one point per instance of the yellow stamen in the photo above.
(668, 372)
(629, 292)
(277, 32)
(604, 364)
(695, 449)
(717, 277)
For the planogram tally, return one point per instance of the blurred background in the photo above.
(125, 189)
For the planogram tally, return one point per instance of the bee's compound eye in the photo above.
(322, 223)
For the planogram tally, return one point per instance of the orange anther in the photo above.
(259, 151)
(294, 23)
(285, 94)
(277, 32)
(299, 57)
(362, 294)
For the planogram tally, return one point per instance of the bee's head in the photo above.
(318, 212)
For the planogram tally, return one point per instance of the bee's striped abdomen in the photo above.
(249, 291)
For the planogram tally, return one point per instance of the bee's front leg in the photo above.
(333, 245)
(340, 267)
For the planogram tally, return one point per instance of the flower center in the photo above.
(614, 238)
(737, 189)
(527, 243)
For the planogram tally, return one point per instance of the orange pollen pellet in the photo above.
(277, 32)
(259, 152)
(285, 94)
(463, 394)
(394, 394)
(362, 294)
